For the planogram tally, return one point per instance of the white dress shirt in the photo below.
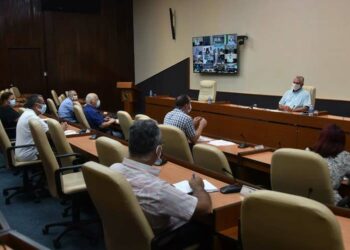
(24, 136)
(164, 206)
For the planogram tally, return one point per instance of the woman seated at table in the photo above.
(8, 115)
(331, 146)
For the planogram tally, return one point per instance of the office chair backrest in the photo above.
(60, 141)
(52, 107)
(124, 223)
(212, 158)
(110, 151)
(21, 110)
(303, 173)
(207, 89)
(61, 98)
(15, 91)
(55, 97)
(46, 155)
(273, 220)
(125, 122)
(142, 117)
(312, 91)
(79, 114)
(175, 143)
(5, 142)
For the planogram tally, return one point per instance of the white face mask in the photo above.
(75, 98)
(43, 108)
(159, 153)
(12, 102)
(190, 109)
(295, 86)
(98, 104)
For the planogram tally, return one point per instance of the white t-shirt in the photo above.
(24, 136)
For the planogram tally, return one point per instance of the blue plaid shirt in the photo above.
(183, 121)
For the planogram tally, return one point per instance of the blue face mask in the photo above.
(12, 102)
(43, 108)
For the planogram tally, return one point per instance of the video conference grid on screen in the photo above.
(215, 54)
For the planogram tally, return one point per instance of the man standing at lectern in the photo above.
(179, 117)
(296, 99)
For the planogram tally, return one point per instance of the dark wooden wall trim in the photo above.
(175, 80)
(88, 52)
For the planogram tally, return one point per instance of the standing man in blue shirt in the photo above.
(65, 110)
(94, 116)
(296, 99)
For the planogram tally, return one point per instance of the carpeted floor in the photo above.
(28, 217)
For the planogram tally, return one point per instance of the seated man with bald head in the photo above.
(93, 115)
(296, 99)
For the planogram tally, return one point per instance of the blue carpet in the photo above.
(28, 217)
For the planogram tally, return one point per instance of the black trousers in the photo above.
(192, 233)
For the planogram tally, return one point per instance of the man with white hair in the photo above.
(94, 116)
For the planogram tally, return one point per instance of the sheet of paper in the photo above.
(70, 132)
(184, 186)
(221, 143)
(204, 139)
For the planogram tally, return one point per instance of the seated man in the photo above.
(94, 117)
(179, 117)
(35, 105)
(8, 115)
(296, 99)
(165, 207)
(65, 110)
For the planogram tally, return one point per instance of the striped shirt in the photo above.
(164, 206)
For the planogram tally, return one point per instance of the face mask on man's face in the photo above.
(12, 102)
(43, 108)
(296, 86)
(98, 104)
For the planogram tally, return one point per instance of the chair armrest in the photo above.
(66, 155)
(58, 173)
(21, 146)
(9, 149)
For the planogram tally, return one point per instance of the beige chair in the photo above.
(110, 151)
(11, 163)
(142, 117)
(52, 108)
(16, 92)
(79, 114)
(55, 97)
(211, 158)
(125, 122)
(312, 91)
(21, 110)
(124, 223)
(61, 181)
(175, 143)
(302, 173)
(60, 141)
(273, 220)
(207, 89)
(61, 98)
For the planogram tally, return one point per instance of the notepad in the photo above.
(221, 143)
(70, 132)
(184, 186)
(204, 139)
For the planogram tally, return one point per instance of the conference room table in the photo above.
(268, 127)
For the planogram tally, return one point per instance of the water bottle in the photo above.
(311, 110)
(209, 100)
(150, 93)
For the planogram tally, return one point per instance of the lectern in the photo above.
(127, 95)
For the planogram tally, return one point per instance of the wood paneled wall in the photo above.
(86, 52)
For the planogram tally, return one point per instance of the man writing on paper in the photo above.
(179, 117)
(165, 207)
(296, 99)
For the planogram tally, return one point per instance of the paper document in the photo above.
(204, 139)
(184, 186)
(70, 132)
(221, 143)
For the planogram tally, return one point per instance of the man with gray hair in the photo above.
(165, 207)
(296, 99)
(65, 111)
(94, 116)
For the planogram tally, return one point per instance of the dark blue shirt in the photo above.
(94, 117)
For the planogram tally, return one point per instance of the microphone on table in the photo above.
(243, 144)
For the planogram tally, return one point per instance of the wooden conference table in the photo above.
(272, 128)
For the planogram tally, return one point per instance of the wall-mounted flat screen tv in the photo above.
(215, 54)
